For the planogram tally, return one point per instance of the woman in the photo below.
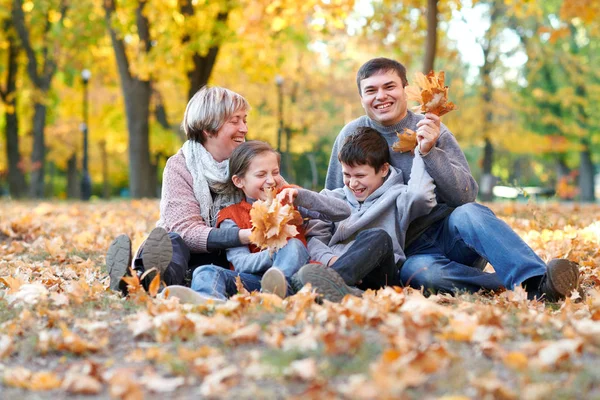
(185, 238)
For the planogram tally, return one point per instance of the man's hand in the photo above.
(428, 132)
(287, 196)
(244, 235)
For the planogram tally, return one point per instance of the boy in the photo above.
(366, 249)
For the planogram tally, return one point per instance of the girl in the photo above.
(254, 170)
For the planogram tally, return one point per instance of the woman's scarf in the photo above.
(207, 174)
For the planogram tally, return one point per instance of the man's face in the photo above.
(383, 98)
(362, 180)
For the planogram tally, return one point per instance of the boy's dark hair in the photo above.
(380, 65)
(365, 146)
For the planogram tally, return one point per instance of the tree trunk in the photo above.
(586, 173)
(137, 106)
(16, 178)
(38, 155)
(73, 185)
(104, 156)
(202, 64)
(487, 179)
(431, 46)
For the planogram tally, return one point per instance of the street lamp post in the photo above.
(86, 182)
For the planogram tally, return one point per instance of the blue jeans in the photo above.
(218, 282)
(442, 258)
(369, 260)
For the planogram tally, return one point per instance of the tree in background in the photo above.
(8, 94)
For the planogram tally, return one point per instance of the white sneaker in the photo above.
(273, 281)
(187, 295)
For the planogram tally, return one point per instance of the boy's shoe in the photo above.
(560, 279)
(273, 281)
(326, 281)
(187, 295)
(118, 259)
(157, 253)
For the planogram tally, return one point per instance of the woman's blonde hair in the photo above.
(208, 110)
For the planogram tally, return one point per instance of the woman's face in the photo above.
(231, 135)
(262, 173)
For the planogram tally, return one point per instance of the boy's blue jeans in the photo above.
(214, 281)
(441, 259)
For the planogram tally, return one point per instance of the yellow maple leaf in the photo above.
(272, 223)
(407, 141)
(431, 94)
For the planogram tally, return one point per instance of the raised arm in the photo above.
(327, 205)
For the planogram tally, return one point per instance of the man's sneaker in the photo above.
(118, 258)
(273, 281)
(560, 279)
(187, 295)
(157, 254)
(326, 281)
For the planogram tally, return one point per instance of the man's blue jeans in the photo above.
(217, 282)
(442, 258)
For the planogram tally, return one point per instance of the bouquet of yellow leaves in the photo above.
(431, 94)
(273, 223)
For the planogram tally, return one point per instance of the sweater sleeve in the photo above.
(319, 251)
(447, 165)
(221, 238)
(325, 205)
(419, 198)
(179, 209)
(242, 259)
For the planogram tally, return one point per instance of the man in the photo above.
(447, 249)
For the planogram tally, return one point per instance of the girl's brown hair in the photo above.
(240, 160)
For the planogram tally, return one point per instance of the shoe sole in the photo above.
(564, 276)
(157, 252)
(273, 281)
(325, 281)
(118, 258)
(187, 295)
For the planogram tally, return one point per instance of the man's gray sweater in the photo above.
(391, 207)
(446, 163)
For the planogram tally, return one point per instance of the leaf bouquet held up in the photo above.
(432, 95)
(273, 223)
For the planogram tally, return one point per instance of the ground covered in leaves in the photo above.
(63, 332)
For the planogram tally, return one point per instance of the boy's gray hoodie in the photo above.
(391, 207)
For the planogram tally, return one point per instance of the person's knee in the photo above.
(416, 272)
(469, 213)
(375, 235)
(205, 271)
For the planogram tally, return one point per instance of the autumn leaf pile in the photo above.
(63, 333)
(272, 223)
